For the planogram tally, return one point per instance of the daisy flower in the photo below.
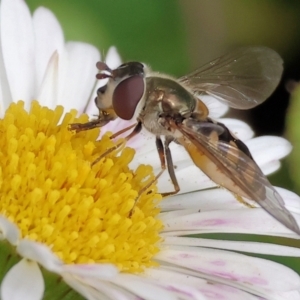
(64, 223)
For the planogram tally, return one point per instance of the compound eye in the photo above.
(102, 90)
(127, 95)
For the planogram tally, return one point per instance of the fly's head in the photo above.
(122, 96)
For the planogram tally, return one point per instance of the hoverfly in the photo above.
(173, 108)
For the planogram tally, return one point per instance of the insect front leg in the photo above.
(103, 119)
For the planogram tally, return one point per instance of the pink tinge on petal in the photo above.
(233, 277)
(225, 292)
(253, 221)
(181, 290)
(251, 272)
(181, 281)
(143, 287)
(218, 262)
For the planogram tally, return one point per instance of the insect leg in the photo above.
(142, 190)
(164, 154)
(103, 118)
(161, 154)
(170, 168)
(87, 126)
(124, 130)
(135, 131)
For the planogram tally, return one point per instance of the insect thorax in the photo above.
(165, 98)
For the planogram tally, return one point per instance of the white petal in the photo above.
(9, 231)
(207, 288)
(290, 295)
(143, 288)
(41, 254)
(91, 108)
(270, 167)
(291, 200)
(100, 271)
(216, 108)
(267, 151)
(48, 91)
(218, 199)
(189, 179)
(212, 199)
(18, 49)
(80, 76)
(238, 128)
(49, 39)
(113, 59)
(87, 291)
(23, 281)
(268, 148)
(244, 246)
(250, 273)
(91, 288)
(5, 94)
(252, 221)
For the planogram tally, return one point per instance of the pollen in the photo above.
(50, 188)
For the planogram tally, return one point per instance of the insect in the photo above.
(172, 108)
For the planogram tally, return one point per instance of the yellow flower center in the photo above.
(52, 192)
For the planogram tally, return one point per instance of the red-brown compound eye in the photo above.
(127, 95)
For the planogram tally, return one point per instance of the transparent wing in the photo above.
(231, 168)
(242, 79)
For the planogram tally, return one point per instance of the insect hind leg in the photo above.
(166, 162)
(164, 156)
(170, 167)
(144, 189)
